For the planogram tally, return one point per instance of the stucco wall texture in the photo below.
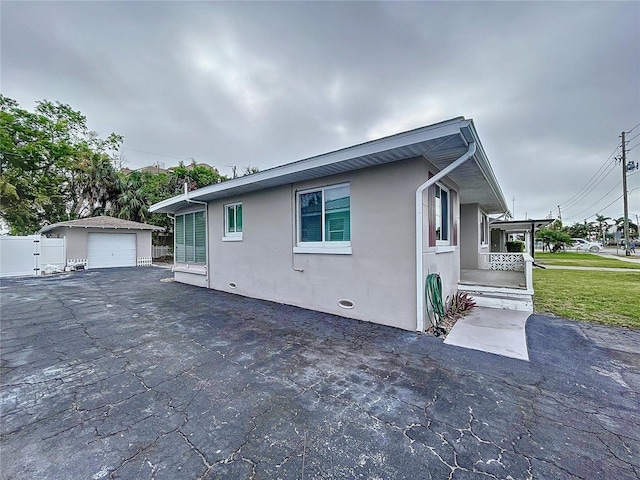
(76, 239)
(378, 276)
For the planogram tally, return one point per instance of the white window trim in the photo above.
(324, 247)
(341, 248)
(445, 248)
(193, 268)
(444, 243)
(231, 236)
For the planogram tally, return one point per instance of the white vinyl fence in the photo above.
(30, 255)
(159, 251)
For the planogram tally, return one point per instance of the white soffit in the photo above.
(441, 144)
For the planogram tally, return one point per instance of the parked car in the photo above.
(582, 245)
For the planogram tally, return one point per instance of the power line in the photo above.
(638, 125)
(587, 209)
(596, 202)
(607, 206)
(636, 135)
(632, 190)
(590, 188)
(631, 148)
(579, 195)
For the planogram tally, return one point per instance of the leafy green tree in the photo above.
(578, 230)
(46, 157)
(195, 176)
(554, 239)
(155, 188)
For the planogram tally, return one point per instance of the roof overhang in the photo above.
(48, 228)
(441, 144)
(513, 226)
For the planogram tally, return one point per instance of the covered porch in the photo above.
(493, 278)
(502, 229)
(503, 280)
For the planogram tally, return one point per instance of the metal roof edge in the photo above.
(53, 226)
(471, 134)
(365, 148)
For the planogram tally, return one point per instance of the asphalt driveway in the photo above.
(118, 374)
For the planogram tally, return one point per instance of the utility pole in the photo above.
(624, 196)
(513, 208)
(559, 214)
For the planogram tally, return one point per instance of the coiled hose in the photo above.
(433, 297)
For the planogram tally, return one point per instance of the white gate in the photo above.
(29, 255)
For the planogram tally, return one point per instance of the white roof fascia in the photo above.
(442, 129)
(53, 226)
(483, 163)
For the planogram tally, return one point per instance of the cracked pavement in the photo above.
(115, 374)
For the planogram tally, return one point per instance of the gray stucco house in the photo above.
(352, 232)
(103, 241)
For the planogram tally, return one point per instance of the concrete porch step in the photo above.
(499, 298)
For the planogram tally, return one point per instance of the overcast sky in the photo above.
(550, 86)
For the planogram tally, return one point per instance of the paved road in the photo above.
(117, 374)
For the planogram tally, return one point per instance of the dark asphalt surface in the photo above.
(117, 374)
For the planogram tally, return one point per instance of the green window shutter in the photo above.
(179, 239)
(189, 239)
(200, 237)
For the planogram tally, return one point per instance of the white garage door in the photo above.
(111, 250)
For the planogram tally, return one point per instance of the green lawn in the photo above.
(611, 298)
(572, 259)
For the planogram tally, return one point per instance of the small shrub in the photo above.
(459, 304)
(515, 247)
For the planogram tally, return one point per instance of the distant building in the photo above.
(158, 167)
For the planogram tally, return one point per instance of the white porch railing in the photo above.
(510, 262)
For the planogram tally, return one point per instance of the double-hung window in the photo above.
(233, 221)
(324, 220)
(191, 238)
(442, 216)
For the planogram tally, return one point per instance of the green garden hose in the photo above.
(433, 297)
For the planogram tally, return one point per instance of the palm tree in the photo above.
(131, 203)
(603, 225)
(95, 184)
(633, 228)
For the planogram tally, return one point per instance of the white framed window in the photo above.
(191, 238)
(233, 222)
(442, 221)
(324, 220)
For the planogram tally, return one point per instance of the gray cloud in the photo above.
(549, 85)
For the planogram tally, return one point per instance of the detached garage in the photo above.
(104, 242)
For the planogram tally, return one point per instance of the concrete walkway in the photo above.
(602, 269)
(611, 253)
(492, 330)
